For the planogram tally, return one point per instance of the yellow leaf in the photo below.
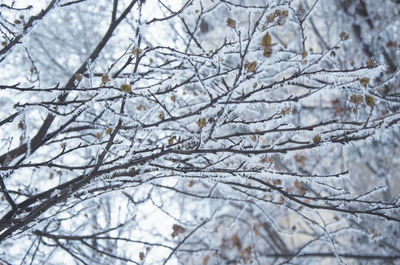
(79, 77)
(141, 256)
(126, 88)
(201, 122)
(267, 44)
(109, 130)
(364, 81)
(356, 99)
(231, 23)
(171, 140)
(344, 36)
(371, 63)
(317, 139)
(270, 17)
(177, 229)
(286, 111)
(285, 14)
(370, 100)
(353, 98)
(268, 51)
(302, 190)
(236, 241)
(105, 78)
(161, 115)
(206, 259)
(266, 40)
(359, 99)
(250, 66)
(137, 51)
(304, 54)
(21, 125)
(256, 230)
(141, 107)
